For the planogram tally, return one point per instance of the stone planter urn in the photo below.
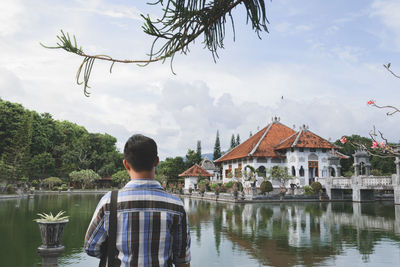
(51, 233)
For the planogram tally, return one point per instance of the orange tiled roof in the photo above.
(260, 144)
(305, 139)
(195, 170)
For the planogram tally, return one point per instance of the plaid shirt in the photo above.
(152, 226)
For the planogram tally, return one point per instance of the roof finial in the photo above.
(276, 119)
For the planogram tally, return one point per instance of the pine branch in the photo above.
(181, 24)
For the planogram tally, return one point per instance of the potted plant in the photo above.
(180, 189)
(202, 189)
(217, 191)
(51, 228)
(235, 191)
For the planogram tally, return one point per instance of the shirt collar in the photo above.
(144, 183)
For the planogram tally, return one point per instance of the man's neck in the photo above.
(142, 175)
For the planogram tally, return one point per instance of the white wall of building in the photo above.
(190, 182)
(294, 159)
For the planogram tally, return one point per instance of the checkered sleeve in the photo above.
(96, 234)
(181, 241)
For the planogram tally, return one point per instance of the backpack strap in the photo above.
(112, 230)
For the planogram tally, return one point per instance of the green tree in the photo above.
(217, 147)
(120, 178)
(386, 165)
(233, 142)
(237, 139)
(198, 151)
(316, 187)
(191, 158)
(171, 168)
(41, 165)
(280, 173)
(84, 177)
(11, 116)
(36, 146)
(51, 182)
(16, 155)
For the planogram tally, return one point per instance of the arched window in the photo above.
(362, 168)
(333, 172)
(262, 171)
(301, 171)
(293, 171)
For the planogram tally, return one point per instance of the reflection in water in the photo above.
(305, 234)
(267, 234)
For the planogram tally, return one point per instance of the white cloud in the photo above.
(388, 11)
(10, 17)
(348, 53)
(289, 28)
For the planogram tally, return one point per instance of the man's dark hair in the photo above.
(141, 152)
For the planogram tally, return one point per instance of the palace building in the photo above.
(306, 155)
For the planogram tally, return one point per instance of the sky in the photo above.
(318, 66)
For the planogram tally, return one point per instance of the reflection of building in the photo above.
(305, 154)
(192, 174)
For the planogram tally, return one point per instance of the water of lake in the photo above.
(289, 234)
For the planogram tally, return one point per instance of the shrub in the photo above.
(202, 188)
(214, 186)
(239, 186)
(229, 184)
(64, 187)
(308, 190)
(376, 172)
(84, 177)
(238, 173)
(120, 178)
(348, 174)
(266, 187)
(51, 182)
(35, 183)
(316, 187)
(10, 189)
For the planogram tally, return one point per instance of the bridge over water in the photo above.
(363, 186)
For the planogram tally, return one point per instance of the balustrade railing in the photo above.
(371, 181)
(341, 181)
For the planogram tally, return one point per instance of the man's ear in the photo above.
(157, 161)
(126, 165)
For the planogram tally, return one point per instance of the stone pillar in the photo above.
(397, 219)
(50, 255)
(396, 192)
(368, 169)
(339, 170)
(396, 182)
(361, 195)
(356, 169)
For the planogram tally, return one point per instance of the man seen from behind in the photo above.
(152, 225)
